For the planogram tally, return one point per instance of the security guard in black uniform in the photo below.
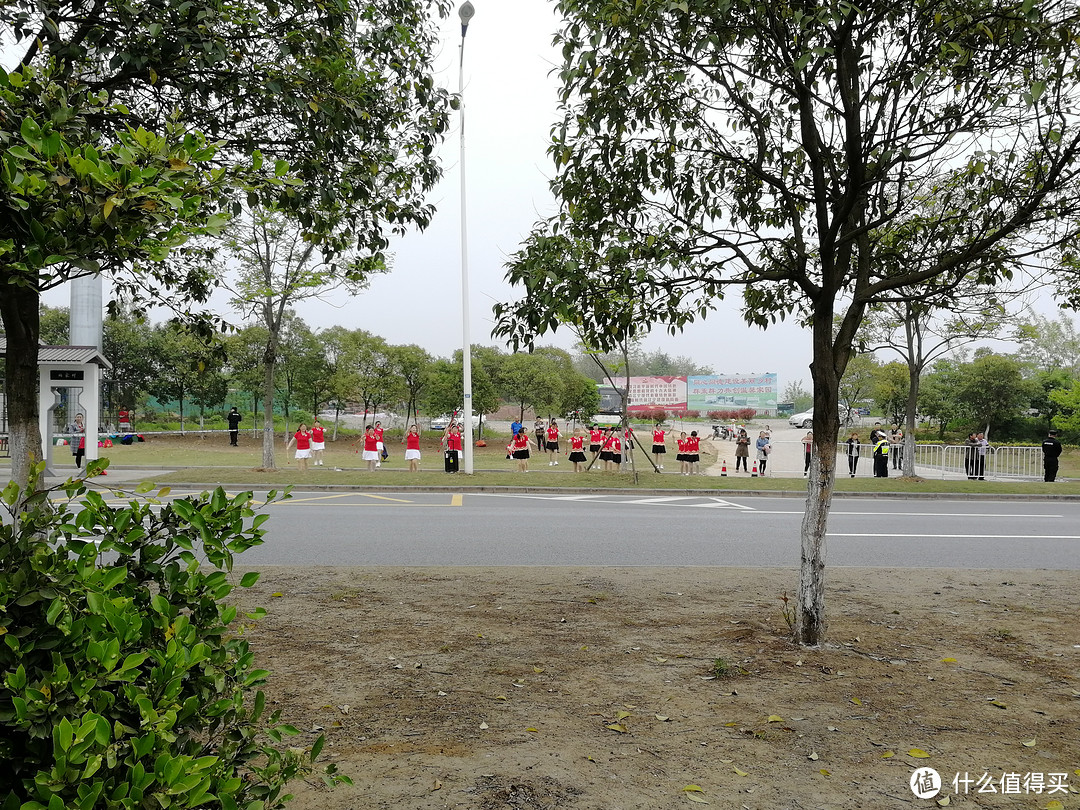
(1051, 448)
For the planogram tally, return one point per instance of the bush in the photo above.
(691, 414)
(124, 685)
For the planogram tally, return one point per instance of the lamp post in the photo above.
(465, 13)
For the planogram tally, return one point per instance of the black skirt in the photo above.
(576, 456)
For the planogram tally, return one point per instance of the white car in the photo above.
(802, 420)
(443, 422)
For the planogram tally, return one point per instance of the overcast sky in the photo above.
(510, 105)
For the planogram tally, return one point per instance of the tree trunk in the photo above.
(268, 410)
(810, 623)
(908, 462)
(20, 310)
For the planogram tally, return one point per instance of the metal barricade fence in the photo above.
(1016, 462)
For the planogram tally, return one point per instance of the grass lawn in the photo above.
(210, 460)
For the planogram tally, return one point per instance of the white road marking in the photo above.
(960, 536)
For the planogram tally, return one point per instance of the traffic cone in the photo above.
(753, 473)
(723, 469)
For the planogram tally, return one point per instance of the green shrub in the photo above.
(123, 684)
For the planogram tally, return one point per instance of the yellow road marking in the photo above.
(456, 500)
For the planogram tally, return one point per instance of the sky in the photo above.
(510, 105)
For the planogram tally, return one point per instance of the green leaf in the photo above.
(249, 579)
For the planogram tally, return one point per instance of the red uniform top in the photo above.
(378, 434)
(453, 441)
(553, 433)
(616, 444)
(682, 445)
(412, 441)
(577, 442)
(693, 443)
(370, 442)
(303, 440)
(317, 433)
(521, 441)
(596, 436)
(658, 436)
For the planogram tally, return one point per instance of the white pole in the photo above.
(465, 13)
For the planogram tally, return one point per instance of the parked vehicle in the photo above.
(802, 420)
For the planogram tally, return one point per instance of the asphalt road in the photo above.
(417, 529)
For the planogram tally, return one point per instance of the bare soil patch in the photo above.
(601, 687)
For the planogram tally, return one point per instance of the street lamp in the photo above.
(465, 13)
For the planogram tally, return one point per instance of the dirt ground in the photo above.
(610, 688)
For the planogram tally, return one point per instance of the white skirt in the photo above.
(371, 455)
(303, 454)
(318, 445)
(412, 454)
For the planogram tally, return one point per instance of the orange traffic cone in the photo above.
(723, 468)
(753, 473)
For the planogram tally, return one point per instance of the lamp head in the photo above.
(465, 13)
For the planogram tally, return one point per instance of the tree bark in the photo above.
(269, 357)
(810, 622)
(908, 463)
(20, 310)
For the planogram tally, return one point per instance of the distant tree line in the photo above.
(318, 370)
(1011, 396)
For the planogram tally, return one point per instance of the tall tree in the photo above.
(921, 327)
(276, 268)
(411, 363)
(126, 129)
(993, 390)
(779, 149)
(1049, 344)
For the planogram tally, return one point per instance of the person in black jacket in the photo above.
(1051, 448)
(234, 418)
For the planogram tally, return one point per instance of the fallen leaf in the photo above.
(943, 801)
(483, 726)
(660, 660)
(344, 708)
(730, 725)
(616, 727)
(442, 694)
(739, 772)
(918, 753)
(538, 670)
(832, 728)
(1054, 805)
(277, 593)
(697, 797)
(533, 730)
(825, 772)
(888, 755)
(997, 703)
(621, 715)
(812, 755)
(775, 718)
(948, 660)
(1030, 743)
(663, 718)
(856, 701)
(693, 789)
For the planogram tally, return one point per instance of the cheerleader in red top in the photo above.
(371, 449)
(519, 449)
(552, 444)
(596, 439)
(577, 450)
(412, 448)
(380, 448)
(613, 451)
(658, 448)
(693, 449)
(681, 457)
(455, 443)
(302, 438)
(318, 444)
